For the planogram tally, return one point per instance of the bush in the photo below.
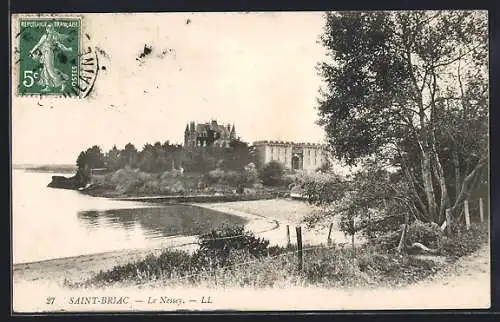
(322, 188)
(231, 178)
(388, 236)
(377, 260)
(234, 245)
(464, 242)
(220, 177)
(214, 176)
(333, 266)
(219, 242)
(250, 175)
(272, 173)
(428, 234)
(289, 180)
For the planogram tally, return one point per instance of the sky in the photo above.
(253, 70)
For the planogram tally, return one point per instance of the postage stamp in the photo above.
(49, 61)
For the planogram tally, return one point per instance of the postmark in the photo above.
(51, 58)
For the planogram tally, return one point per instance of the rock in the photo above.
(64, 183)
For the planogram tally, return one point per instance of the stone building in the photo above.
(208, 134)
(294, 156)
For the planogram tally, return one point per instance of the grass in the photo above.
(251, 262)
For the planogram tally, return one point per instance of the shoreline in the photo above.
(80, 267)
(266, 217)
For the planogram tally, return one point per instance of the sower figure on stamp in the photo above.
(43, 51)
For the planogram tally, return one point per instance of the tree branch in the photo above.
(451, 61)
(465, 184)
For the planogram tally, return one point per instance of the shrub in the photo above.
(332, 266)
(220, 177)
(272, 173)
(250, 175)
(231, 178)
(219, 242)
(428, 234)
(386, 233)
(289, 180)
(464, 242)
(214, 176)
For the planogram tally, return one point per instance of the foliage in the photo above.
(220, 242)
(158, 158)
(465, 242)
(372, 201)
(250, 175)
(128, 181)
(228, 178)
(403, 86)
(271, 174)
(331, 267)
(322, 188)
(429, 234)
(218, 248)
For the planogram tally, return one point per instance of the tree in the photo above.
(147, 158)
(113, 158)
(129, 156)
(89, 159)
(405, 86)
(236, 156)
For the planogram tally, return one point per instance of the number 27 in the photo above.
(50, 300)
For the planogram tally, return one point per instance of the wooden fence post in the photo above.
(299, 246)
(329, 241)
(481, 209)
(467, 215)
(448, 221)
(288, 243)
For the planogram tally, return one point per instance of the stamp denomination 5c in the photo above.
(49, 52)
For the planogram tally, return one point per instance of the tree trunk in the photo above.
(442, 184)
(428, 187)
(468, 183)
(353, 246)
(411, 181)
(456, 165)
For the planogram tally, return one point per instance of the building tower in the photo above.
(232, 135)
(186, 136)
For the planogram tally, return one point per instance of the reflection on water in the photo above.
(159, 222)
(50, 223)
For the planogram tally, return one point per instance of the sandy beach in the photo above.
(281, 212)
(266, 218)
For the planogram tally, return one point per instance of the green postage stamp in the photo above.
(49, 62)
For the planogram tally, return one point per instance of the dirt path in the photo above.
(469, 272)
